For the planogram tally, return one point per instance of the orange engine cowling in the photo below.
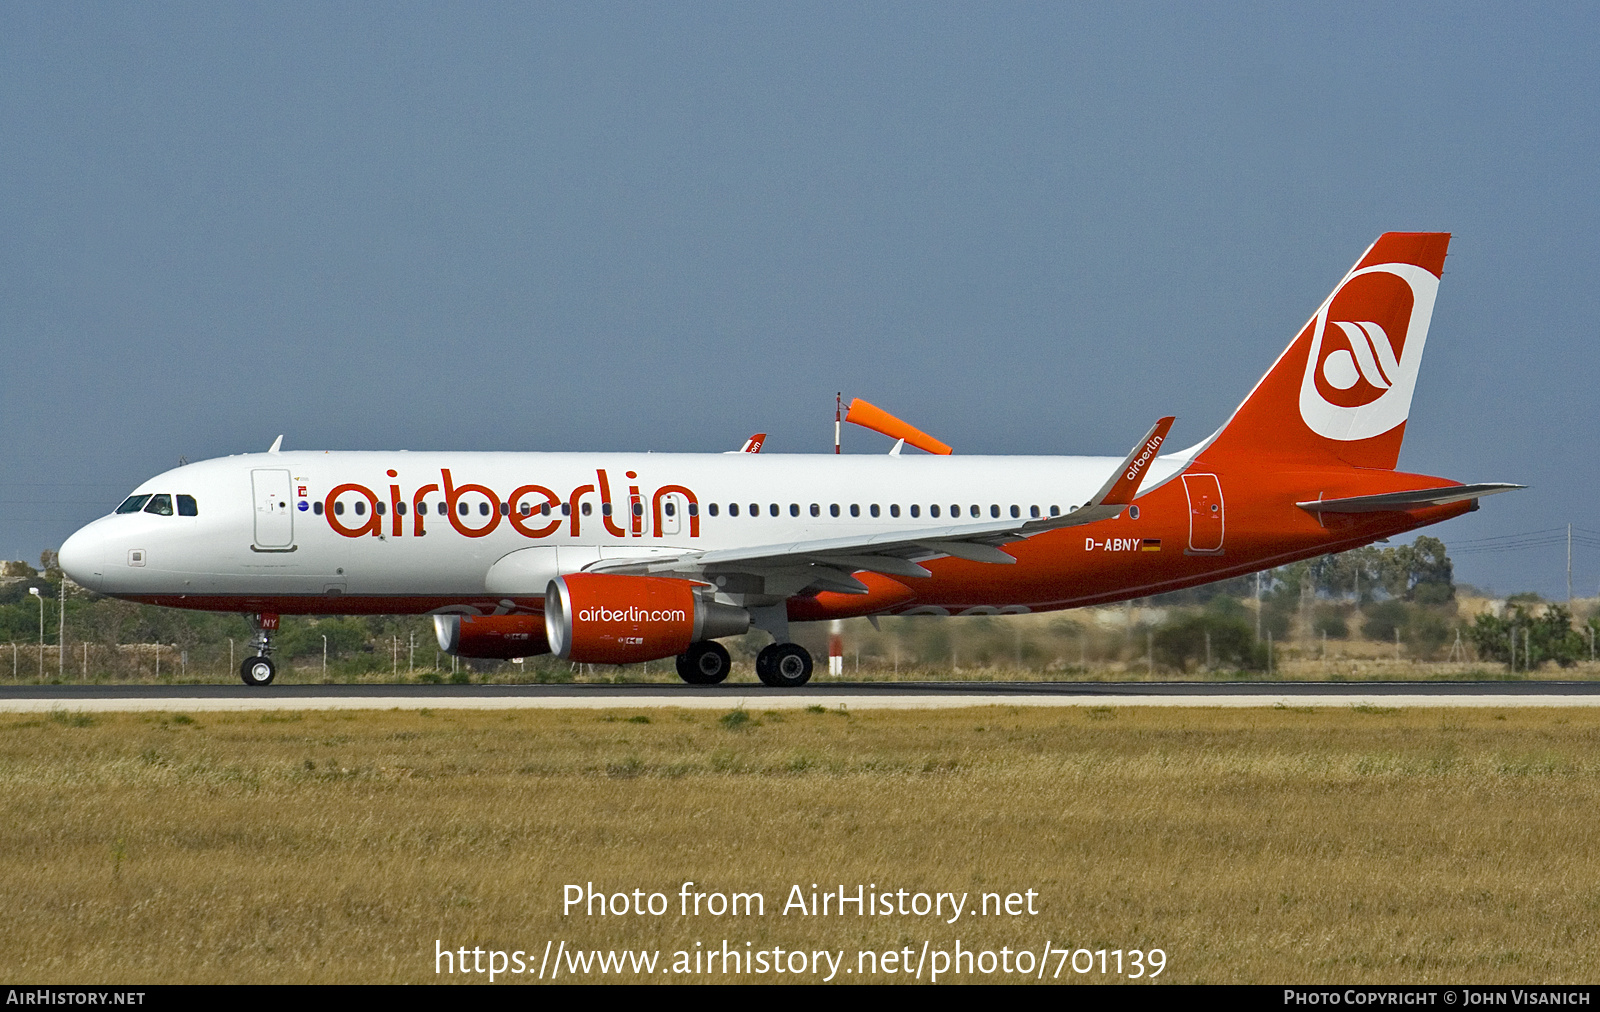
(500, 636)
(599, 619)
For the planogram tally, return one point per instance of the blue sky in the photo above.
(1027, 229)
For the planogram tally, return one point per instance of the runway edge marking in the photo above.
(779, 702)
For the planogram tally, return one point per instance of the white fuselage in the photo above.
(276, 525)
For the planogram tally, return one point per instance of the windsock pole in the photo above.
(836, 648)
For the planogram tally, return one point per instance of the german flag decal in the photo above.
(1150, 545)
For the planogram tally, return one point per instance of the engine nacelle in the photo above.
(497, 636)
(599, 619)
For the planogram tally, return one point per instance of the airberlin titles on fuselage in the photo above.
(532, 510)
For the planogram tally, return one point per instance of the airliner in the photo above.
(617, 558)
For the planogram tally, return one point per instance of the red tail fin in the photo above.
(1342, 390)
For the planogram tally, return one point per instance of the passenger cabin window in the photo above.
(994, 510)
(894, 510)
(794, 509)
(755, 509)
(1016, 511)
(712, 508)
(133, 504)
(916, 510)
(378, 508)
(816, 510)
(316, 507)
(1055, 511)
(855, 509)
(160, 505)
(874, 509)
(933, 511)
(361, 507)
(733, 509)
(338, 509)
(668, 508)
(773, 509)
(833, 510)
(1033, 511)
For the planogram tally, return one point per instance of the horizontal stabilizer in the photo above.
(1390, 502)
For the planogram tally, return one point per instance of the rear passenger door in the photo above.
(1207, 522)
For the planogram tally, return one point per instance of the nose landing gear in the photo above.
(259, 669)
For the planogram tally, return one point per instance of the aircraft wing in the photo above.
(1389, 502)
(827, 563)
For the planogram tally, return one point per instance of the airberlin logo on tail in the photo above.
(1365, 348)
(1370, 351)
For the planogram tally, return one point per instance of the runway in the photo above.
(846, 695)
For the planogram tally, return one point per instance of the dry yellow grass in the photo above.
(1335, 845)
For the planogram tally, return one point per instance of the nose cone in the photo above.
(83, 557)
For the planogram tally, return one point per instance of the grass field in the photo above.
(1249, 845)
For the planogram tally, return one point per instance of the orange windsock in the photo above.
(870, 416)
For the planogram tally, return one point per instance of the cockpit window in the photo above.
(161, 505)
(187, 506)
(133, 504)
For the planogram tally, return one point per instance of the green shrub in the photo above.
(1384, 619)
(1331, 622)
(1549, 637)
(1181, 642)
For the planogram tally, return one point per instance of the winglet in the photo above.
(753, 444)
(1124, 485)
(277, 444)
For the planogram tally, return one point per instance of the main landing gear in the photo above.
(259, 669)
(784, 665)
(705, 663)
(781, 665)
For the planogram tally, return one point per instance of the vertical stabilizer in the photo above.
(1342, 390)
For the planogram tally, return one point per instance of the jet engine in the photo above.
(498, 636)
(599, 619)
